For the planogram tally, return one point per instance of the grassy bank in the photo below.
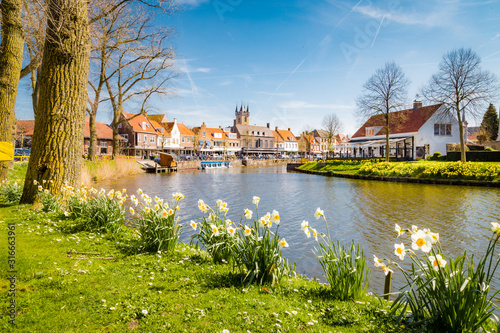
(93, 282)
(108, 169)
(484, 171)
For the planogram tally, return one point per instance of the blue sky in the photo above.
(295, 61)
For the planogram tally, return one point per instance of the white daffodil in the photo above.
(283, 243)
(413, 229)
(399, 250)
(399, 230)
(437, 261)
(421, 241)
(386, 269)
(495, 227)
(231, 231)
(319, 213)
(164, 214)
(275, 217)
(255, 201)
(215, 230)
(132, 211)
(376, 261)
(248, 214)
(193, 225)
(247, 231)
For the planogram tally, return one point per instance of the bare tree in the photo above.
(140, 67)
(11, 55)
(332, 125)
(461, 86)
(385, 92)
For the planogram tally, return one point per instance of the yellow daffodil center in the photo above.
(399, 250)
(420, 242)
(436, 263)
(214, 230)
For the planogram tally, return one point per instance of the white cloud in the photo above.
(435, 18)
(193, 3)
(305, 105)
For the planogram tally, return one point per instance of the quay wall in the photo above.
(193, 165)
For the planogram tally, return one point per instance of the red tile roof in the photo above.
(277, 137)
(137, 122)
(287, 135)
(212, 131)
(103, 130)
(405, 121)
(26, 127)
(183, 129)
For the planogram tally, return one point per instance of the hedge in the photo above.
(475, 156)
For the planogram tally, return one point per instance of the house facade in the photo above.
(414, 134)
(140, 136)
(255, 140)
(290, 142)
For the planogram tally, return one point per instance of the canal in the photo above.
(359, 210)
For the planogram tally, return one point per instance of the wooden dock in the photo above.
(153, 167)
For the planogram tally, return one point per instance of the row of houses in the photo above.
(144, 136)
(414, 133)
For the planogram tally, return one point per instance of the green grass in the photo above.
(484, 171)
(182, 291)
(18, 171)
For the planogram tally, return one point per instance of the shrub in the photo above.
(451, 295)
(10, 192)
(437, 157)
(345, 268)
(217, 234)
(50, 202)
(155, 222)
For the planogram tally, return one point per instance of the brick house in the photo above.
(140, 136)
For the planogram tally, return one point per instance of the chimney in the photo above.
(220, 127)
(276, 129)
(417, 103)
(268, 125)
(289, 129)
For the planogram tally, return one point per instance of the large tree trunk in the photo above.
(59, 125)
(11, 59)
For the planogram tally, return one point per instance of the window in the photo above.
(442, 129)
(152, 139)
(187, 140)
(145, 138)
(203, 134)
(104, 147)
(138, 138)
(125, 137)
(183, 139)
(120, 125)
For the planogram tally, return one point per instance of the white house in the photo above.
(172, 139)
(414, 133)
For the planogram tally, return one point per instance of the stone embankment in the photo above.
(193, 165)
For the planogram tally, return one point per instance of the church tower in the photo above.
(242, 116)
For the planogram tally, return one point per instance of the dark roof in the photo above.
(26, 127)
(405, 121)
(242, 130)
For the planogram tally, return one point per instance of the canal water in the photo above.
(359, 210)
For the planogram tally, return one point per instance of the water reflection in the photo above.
(363, 211)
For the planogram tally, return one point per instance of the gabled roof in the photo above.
(287, 135)
(277, 137)
(405, 121)
(244, 129)
(311, 139)
(183, 129)
(212, 131)
(321, 133)
(159, 118)
(26, 127)
(103, 130)
(138, 123)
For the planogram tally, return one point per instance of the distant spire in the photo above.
(248, 108)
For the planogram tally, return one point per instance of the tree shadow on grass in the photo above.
(222, 280)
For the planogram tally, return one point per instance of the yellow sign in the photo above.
(6, 151)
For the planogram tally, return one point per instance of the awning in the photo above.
(209, 143)
(201, 143)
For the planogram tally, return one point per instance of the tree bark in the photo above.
(59, 125)
(387, 141)
(93, 137)
(11, 58)
(463, 154)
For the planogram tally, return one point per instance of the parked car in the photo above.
(22, 152)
